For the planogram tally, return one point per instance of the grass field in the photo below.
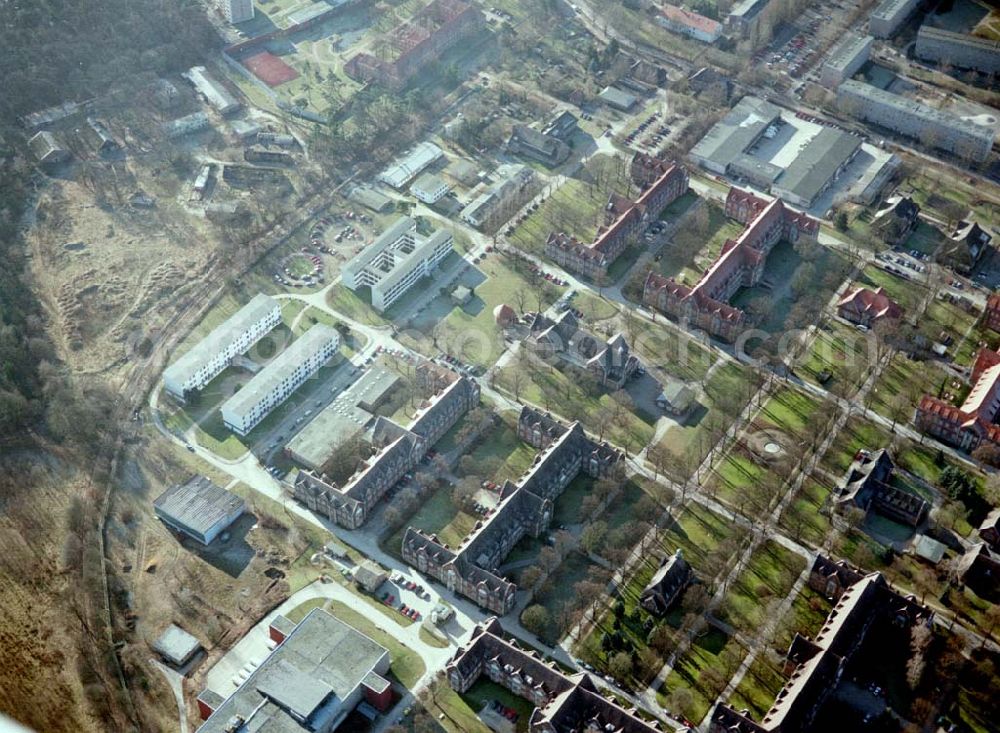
(692, 669)
(766, 579)
(842, 351)
(802, 518)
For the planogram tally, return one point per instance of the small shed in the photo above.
(929, 549)
(461, 295)
(676, 399)
(370, 576)
(176, 646)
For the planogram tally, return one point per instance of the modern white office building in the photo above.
(430, 188)
(282, 376)
(395, 261)
(207, 358)
(237, 11)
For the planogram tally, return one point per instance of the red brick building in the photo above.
(417, 43)
(740, 264)
(991, 316)
(974, 422)
(865, 306)
(662, 183)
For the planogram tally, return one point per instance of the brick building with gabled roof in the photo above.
(740, 264)
(661, 184)
(865, 306)
(562, 702)
(524, 508)
(866, 608)
(973, 422)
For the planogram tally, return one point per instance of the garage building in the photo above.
(198, 508)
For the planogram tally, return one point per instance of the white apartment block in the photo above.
(394, 262)
(933, 127)
(237, 11)
(889, 15)
(207, 358)
(282, 376)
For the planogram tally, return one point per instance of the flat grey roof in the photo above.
(817, 161)
(176, 644)
(916, 109)
(617, 97)
(315, 669)
(748, 8)
(197, 504)
(342, 419)
(964, 39)
(737, 131)
(268, 378)
(220, 338)
(744, 163)
(888, 8)
(847, 50)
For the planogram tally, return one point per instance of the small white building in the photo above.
(430, 188)
(283, 375)
(237, 11)
(396, 261)
(207, 358)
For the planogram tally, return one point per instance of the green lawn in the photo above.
(567, 395)
(802, 519)
(470, 332)
(689, 672)
(437, 515)
(907, 292)
(594, 307)
(558, 592)
(760, 685)
(858, 433)
(691, 253)
(485, 690)
(840, 350)
(789, 409)
(768, 577)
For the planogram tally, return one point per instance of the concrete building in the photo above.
(349, 415)
(283, 375)
(237, 11)
(974, 422)
(186, 125)
(525, 508)
(211, 90)
(889, 15)
(734, 134)
(563, 703)
(209, 357)
(816, 167)
(321, 671)
(198, 508)
(430, 188)
(844, 60)
(405, 169)
(959, 50)
(690, 24)
(396, 261)
(740, 264)
(618, 99)
(745, 17)
(991, 314)
(176, 646)
(867, 612)
(661, 183)
(931, 126)
(499, 199)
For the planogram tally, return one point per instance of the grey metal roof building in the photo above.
(213, 92)
(176, 645)
(907, 117)
(207, 358)
(845, 59)
(734, 133)
(348, 415)
(282, 376)
(816, 166)
(310, 682)
(198, 508)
